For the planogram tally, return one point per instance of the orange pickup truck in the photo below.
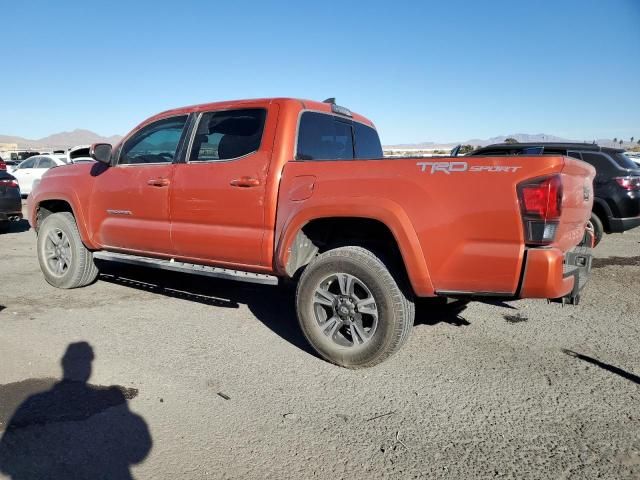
(271, 189)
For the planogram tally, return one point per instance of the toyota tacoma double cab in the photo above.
(273, 189)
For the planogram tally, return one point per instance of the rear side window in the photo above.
(229, 134)
(622, 160)
(600, 162)
(367, 141)
(45, 162)
(324, 137)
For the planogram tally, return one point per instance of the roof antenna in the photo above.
(331, 100)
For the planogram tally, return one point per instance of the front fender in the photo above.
(71, 197)
(298, 214)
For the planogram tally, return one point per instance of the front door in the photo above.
(130, 202)
(218, 195)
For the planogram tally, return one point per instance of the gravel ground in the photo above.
(194, 378)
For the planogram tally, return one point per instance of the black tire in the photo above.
(390, 320)
(598, 229)
(5, 227)
(78, 269)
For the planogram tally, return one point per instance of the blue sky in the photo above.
(421, 70)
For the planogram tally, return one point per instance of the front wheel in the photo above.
(64, 260)
(351, 309)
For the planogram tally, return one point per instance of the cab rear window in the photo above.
(330, 137)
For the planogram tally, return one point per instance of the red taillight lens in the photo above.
(542, 198)
(630, 184)
(3, 166)
(541, 207)
(8, 183)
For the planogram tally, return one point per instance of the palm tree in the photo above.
(631, 140)
(615, 140)
(621, 142)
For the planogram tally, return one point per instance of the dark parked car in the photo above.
(616, 206)
(10, 200)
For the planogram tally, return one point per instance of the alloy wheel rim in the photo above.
(57, 252)
(345, 310)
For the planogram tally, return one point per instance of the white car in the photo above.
(33, 169)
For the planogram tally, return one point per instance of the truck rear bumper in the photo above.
(550, 273)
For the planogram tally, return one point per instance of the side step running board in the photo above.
(187, 268)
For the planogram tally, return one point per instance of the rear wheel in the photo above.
(351, 308)
(5, 227)
(595, 226)
(64, 260)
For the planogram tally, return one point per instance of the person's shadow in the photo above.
(74, 430)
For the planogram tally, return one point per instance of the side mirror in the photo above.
(101, 152)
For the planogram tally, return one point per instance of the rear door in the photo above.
(218, 194)
(130, 201)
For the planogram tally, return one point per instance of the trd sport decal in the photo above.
(455, 167)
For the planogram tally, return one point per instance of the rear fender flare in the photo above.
(385, 211)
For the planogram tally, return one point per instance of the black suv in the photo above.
(616, 206)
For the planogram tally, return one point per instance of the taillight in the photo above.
(630, 184)
(541, 207)
(8, 183)
(3, 166)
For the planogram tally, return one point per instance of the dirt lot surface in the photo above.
(194, 378)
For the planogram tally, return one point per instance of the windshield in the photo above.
(624, 161)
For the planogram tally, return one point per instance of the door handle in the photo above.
(158, 182)
(245, 182)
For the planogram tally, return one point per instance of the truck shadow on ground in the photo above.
(68, 428)
(273, 306)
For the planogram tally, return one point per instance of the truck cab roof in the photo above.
(301, 104)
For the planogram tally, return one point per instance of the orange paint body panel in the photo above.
(457, 221)
(543, 275)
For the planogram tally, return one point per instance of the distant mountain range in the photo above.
(61, 140)
(87, 137)
(520, 137)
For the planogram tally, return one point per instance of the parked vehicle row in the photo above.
(273, 189)
(31, 170)
(10, 200)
